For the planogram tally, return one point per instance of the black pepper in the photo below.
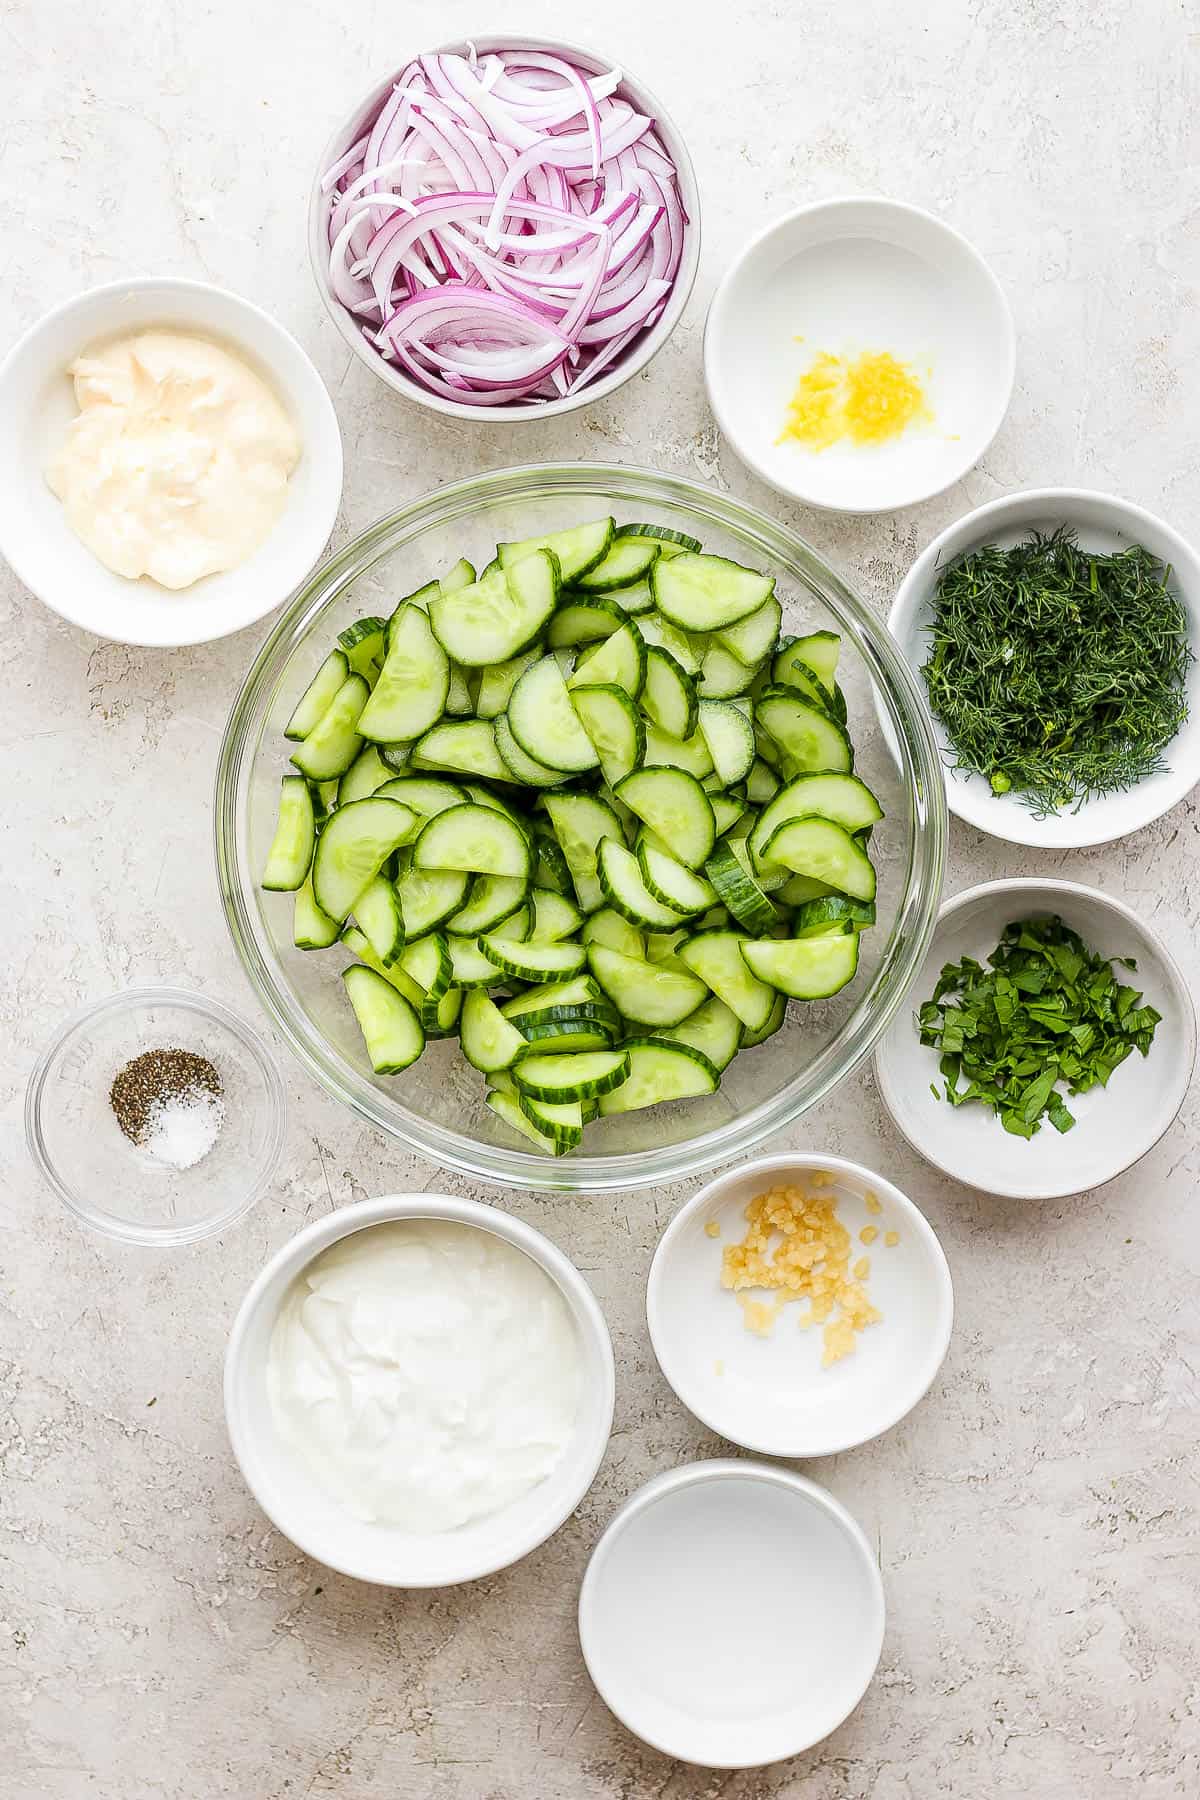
(154, 1077)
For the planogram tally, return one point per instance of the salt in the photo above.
(182, 1128)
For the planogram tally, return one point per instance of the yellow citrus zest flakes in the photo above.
(891, 1239)
(797, 1248)
(869, 399)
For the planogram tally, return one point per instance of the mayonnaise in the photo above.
(177, 464)
(428, 1373)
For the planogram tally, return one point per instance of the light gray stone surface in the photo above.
(1036, 1517)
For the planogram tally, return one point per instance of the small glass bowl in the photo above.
(105, 1179)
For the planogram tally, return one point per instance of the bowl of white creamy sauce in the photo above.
(419, 1389)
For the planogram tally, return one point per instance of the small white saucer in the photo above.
(847, 276)
(732, 1614)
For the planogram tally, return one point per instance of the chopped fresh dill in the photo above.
(1058, 673)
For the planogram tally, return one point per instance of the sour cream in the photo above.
(426, 1372)
(178, 462)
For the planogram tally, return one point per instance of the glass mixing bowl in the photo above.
(438, 1104)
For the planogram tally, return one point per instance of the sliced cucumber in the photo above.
(810, 968)
(607, 927)
(799, 678)
(366, 775)
(475, 839)
(613, 726)
(674, 805)
(669, 694)
(290, 856)
(670, 542)
(521, 767)
(391, 1029)
(498, 616)
(464, 746)
(423, 793)
(569, 1036)
(532, 962)
(497, 683)
(508, 1110)
(660, 632)
(646, 993)
(729, 736)
(353, 848)
(819, 848)
(843, 798)
(312, 929)
(460, 576)
(561, 1123)
(689, 754)
(762, 784)
(581, 990)
(364, 644)
(459, 704)
(551, 870)
(829, 913)
(334, 741)
(576, 550)
(378, 916)
(797, 890)
(492, 900)
(660, 1071)
(818, 651)
(707, 593)
(619, 660)
(713, 1029)
(469, 967)
(774, 1023)
(739, 891)
(754, 638)
(410, 694)
(624, 889)
(318, 696)
(672, 882)
(723, 675)
(557, 1078)
(627, 560)
(715, 956)
(354, 940)
(429, 898)
(554, 917)
(810, 739)
(583, 622)
(726, 812)
(581, 822)
(544, 722)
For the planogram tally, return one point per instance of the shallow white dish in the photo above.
(37, 403)
(1102, 522)
(643, 348)
(1115, 1125)
(314, 1520)
(847, 276)
(771, 1394)
(732, 1614)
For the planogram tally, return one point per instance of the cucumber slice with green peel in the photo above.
(581, 990)
(627, 560)
(554, 917)
(532, 962)
(363, 645)
(557, 1078)
(831, 912)
(770, 880)
(396, 756)
(354, 940)
(819, 848)
(429, 898)
(845, 799)
(669, 694)
(459, 704)
(489, 1042)
(726, 812)
(660, 632)
(423, 793)
(464, 747)
(798, 678)
(551, 870)
(707, 593)
(722, 675)
(607, 927)
(670, 542)
(729, 737)
(818, 652)
(663, 946)
(621, 880)
(378, 916)
(469, 967)
(420, 599)
(410, 694)
(715, 956)
(428, 964)
(810, 968)
(576, 550)
(754, 638)
(636, 599)
(318, 696)
(519, 926)
(689, 754)
(391, 1029)
(479, 794)
(660, 1071)
(619, 660)
(584, 622)
(544, 722)
(312, 929)
(352, 849)
(739, 891)
(768, 750)
(508, 1110)
(324, 795)
(797, 890)
(583, 1012)
(673, 883)
(366, 775)
(492, 899)
(440, 1017)
(581, 822)
(290, 857)
(523, 768)
(613, 726)
(497, 683)
(569, 1036)
(500, 615)
(474, 839)
(460, 576)
(645, 993)
(762, 784)
(773, 1024)
(810, 739)
(334, 741)
(561, 1124)
(714, 1029)
(674, 805)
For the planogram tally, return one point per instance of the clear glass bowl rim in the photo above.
(131, 1000)
(910, 729)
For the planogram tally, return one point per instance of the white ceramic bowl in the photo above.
(732, 1614)
(642, 348)
(37, 403)
(771, 1394)
(1115, 1125)
(312, 1519)
(847, 276)
(1102, 522)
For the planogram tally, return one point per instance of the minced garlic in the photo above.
(891, 1239)
(713, 1228)
(798, 1248)
(868, 398)
(868, 1234)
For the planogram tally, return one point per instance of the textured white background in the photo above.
(1037, 1517)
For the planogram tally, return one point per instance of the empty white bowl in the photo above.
(732, 1614)
(1101, 522)
(1115, 1125)
(771, 1393)
(847, 276)
(312, 1518)
(37, 403)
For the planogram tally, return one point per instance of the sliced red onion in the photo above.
(505, 227)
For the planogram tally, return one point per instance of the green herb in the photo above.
(1058, 674)
(1046, 1009)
